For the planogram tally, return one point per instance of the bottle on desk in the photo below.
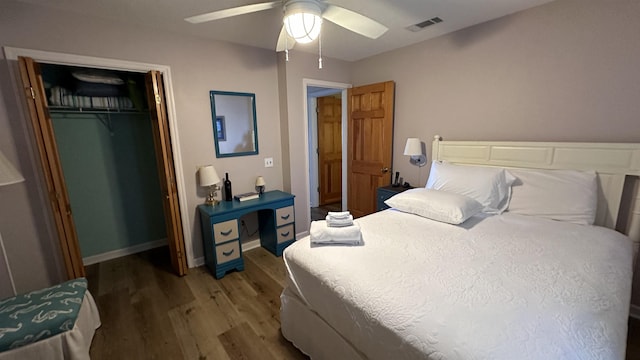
(228, 196)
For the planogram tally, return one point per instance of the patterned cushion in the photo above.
(40, 314)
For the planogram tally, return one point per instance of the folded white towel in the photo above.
(339, 214)
(322, 234)
(331, 222)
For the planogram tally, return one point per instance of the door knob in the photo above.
(384, 170)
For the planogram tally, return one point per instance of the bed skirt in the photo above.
(310, 333)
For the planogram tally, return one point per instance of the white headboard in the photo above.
(617, 166)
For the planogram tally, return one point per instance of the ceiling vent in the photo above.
(424, 24)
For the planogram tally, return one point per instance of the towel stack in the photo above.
(337, 229)
(339, 219)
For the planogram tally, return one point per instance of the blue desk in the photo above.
(221, 231)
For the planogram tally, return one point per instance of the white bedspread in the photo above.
(504, 287)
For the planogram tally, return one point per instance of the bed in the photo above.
(495, 286)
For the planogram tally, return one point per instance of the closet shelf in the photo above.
(76, 110)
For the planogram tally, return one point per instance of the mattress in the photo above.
(498, 287)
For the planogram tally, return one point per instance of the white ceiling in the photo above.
(261, 29)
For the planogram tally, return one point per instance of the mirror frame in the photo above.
(214, 117)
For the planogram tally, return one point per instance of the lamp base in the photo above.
(418, 160)
(211, 200)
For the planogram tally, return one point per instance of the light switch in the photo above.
(268, 162)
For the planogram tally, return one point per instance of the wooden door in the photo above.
(370, 140)
(50, 161)
(329, 110)
(166, 171)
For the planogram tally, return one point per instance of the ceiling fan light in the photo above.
(302, 21)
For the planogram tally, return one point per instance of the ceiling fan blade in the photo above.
(353, 21)
(283, 42)
(240, 10)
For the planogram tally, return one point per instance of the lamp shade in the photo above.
(302, 20)
(208, 176)
(260, 181)
(413, 147)
(8, 173)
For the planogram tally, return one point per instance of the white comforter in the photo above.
(503, 287)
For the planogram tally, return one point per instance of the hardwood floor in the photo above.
(149, 313)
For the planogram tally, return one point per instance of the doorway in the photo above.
(367, 136)
(326, 137)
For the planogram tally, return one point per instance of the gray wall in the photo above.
(564, 71)
(197, 66)
(303, 66)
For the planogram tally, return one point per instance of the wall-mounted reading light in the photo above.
(413, 148)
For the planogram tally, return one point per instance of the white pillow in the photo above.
(564, 195)
(436, 205)
(491, 187)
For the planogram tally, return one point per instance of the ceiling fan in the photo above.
(302, 20)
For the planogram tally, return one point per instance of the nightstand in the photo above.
(385, 192)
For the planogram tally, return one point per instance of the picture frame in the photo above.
(221, 128)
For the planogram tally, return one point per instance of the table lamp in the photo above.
(260, 184)
(209, 178)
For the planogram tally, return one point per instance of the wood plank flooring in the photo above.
(149, 313)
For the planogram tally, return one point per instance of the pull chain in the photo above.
(286, 48)
(320, 50)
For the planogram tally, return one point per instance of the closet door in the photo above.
(52, 169)
(166, 171)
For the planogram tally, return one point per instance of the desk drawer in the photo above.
(285, 233)
(227, 252)
(225, 231)
(284, 215)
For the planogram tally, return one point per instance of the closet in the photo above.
(103, 131)
(105, 152)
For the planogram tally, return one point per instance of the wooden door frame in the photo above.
(12, 54)
(305, 96)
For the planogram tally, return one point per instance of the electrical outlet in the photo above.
(268, 162)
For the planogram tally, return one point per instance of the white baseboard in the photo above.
(634, 311)
(249, 245)
(199, 261)
(123, 252)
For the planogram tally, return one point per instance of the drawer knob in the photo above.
(285, 217)
(227, 253)
(225, 233)
(285, 234)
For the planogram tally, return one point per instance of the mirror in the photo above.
(235, 130)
